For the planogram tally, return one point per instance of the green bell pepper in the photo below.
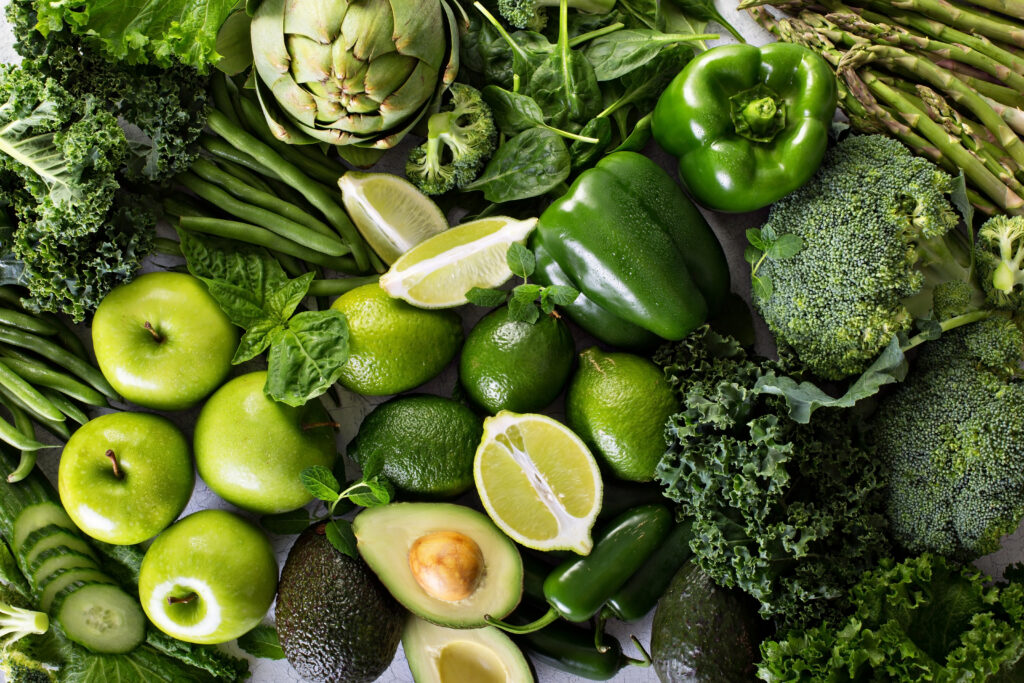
(630, 241)
(748, 124)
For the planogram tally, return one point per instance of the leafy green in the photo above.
(307, 350)
(529, 164)
(522, 299)
(287, 523)
(339, 533)
(922, 620)
(262, 642)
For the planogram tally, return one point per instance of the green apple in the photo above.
(209, 578)
(162, 341)
(124, 477)
(250, 450)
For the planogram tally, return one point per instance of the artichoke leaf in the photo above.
(419, 25)
(280, 125)
(318, 20)
(368, 30)
(311, 62)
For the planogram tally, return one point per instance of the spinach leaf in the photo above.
(513, 112)
(616, 54)
(527, 165)
(638, 137)
(262, 642)
(586, 153)
(641, 13)
(564, 85)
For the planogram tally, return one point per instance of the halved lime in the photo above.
(438, 272)
(538, 481)
(390, 212)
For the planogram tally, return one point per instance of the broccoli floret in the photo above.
(1000, 258)
(951, 438)
(23, 657)
(460, 140)
(878, 235)
(530, 13)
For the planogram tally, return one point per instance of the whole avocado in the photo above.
(703, 633)
(335, 620)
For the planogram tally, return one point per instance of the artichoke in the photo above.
(352, 72)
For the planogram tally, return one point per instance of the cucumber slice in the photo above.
(53, 560)
(36, 517)
(64, 578)
(54, 536)
(102, 617)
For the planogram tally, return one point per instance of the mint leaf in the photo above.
(763, 287)
(371, 492)
(521, 260)
(486, 297)
(752, 255)
(287, 523)
(321, 483)
(339, 533)
(787, 246)
(307, 356)
(262, 642)
(523, 311)
(547, 304)
(563, 295)
(756, 240)
(526, 293)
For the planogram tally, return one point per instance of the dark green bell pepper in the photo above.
(748, 124)
(630, 241)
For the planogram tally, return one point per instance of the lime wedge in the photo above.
(390, 212)
(439, 271)
(538, 482)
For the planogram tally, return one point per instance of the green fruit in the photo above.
(335, 620)
(250, 450)
(437, 654)
(618, 403)
(445, 563)
(393, 346)
(424, 445)
(704, 633)
(209, 578)
(516, 366)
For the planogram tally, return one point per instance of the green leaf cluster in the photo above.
(524, 299)
(307, 349)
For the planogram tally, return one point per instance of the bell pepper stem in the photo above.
(644, 654)
(550, 616)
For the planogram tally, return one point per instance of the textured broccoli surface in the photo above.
(790, 513)
(951, 438)
(460, 140)
(1000, 258)
(878, 234)
(531, 13)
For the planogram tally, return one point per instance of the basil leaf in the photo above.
(520, 260)
(486, 297)
(321, 483)
(527, 165)
(255, 340)
(262, 642)
(339, 533)
(307, 356)
(286, 523)
(513, 112)
(282, 301)
(241, 304)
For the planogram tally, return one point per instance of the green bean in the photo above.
(23, 423)
(222, 150)
(289, 229)
(253, 234)
(317, 195)
(180, 206)
(43, 375)
(67, 337)
(24, 321)
(11, 297)
(209, 171)
(338, 286)
(58, 429)
(169, 247)
(290, 264)
(28, 394)
(243, 174)
(14, 435)
(223, 97)
(59, 355)
(65, 406)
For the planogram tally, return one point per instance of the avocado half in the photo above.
(437, 654)
(387, 534)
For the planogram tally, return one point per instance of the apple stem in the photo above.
(314, 425)
(172, 600)
(156, 335)
(113, 460)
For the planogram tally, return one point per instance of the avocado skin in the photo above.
(704, 633)
(336, 621)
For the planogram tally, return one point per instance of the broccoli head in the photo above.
(460, 139)
(878, 234)
(531, 13)
(951, 439)
(1000, 258)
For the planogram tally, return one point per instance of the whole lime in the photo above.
(513, 365)
(424, 445)
(618, 403)
(394, 346)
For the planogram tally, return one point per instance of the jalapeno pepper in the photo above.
(641, 593)
(577, 589)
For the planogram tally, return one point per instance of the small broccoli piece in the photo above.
(460, 139)
(530, 13)
(879, 234)
(23, 656)
(1000, 258)
(953, 298)
(951, 438)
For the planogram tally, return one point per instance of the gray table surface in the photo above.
(730, 230)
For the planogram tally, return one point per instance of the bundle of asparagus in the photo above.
(946, 78)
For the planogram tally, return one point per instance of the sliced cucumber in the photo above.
(54, 536)
(102, 617)
(36, 517)
(53, 560)
(64, 578)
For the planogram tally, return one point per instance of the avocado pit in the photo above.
(447, 565)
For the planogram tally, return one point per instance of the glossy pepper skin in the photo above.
(641, 593)
(628, 238)
(748, 124)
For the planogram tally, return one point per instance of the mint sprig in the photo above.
(767, 245)
(524, 299)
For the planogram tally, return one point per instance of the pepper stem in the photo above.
(550, 616)
(599, 631)
(758, 114)
(646, 656)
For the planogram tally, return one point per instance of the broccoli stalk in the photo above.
(1001, 260)
(530, 13)
(460, 140)
(19, 622)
